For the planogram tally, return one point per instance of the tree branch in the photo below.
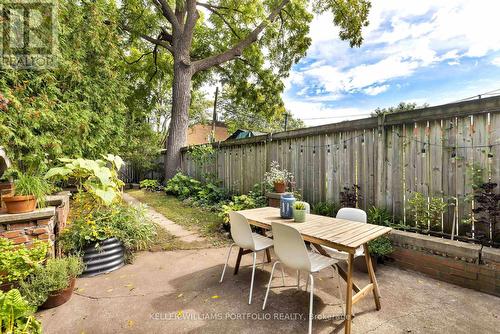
(138, 59)
(168, 14)
(159, 41)
(237, 49)
(192, 17)
(208, 6)
(216, 12)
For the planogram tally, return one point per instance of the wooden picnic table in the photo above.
(343, 235)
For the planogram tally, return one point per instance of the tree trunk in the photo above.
(177, 133)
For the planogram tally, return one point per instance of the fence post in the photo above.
(380, 176)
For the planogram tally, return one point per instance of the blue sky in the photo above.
(414, 51)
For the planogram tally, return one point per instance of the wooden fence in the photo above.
(389, 158)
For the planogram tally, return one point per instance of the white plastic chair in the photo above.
(244, 238)
(291, 251)
(352, 214)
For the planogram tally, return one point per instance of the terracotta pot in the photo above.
(19, 204)
(60, 297)
(6, 287)
(280, 187)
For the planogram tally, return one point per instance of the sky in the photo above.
(419, 51)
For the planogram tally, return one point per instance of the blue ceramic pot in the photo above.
(286, 205)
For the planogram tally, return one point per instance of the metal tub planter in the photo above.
(106, 257)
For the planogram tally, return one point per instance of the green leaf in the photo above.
(107, 196)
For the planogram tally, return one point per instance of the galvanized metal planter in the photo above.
(108, 256)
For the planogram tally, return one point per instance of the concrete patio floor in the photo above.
(179, 292)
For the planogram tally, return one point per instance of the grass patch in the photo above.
(206, 223)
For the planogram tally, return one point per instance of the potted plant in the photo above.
(17, 261)
(379, 249)
(299, 212)
(52, 285)
(28, 191)
(278, 178)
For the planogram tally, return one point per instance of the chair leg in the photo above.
(225, 265)
(311, 304)
(269, 284)
(340, 289)
(253, 276)
(307, 282)
(298, 279)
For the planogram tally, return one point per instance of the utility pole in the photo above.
(214, 117)
(286, 121)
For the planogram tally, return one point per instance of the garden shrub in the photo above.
(423, 212)
(150, 185)
(381, 246)
(127, 224)
(350, 196)
(54, 276)
(17, 261)
(211, 195)
(183, 186)
(328, 209)
(379, 216)
(254, 199)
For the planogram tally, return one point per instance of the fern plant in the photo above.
(16, 315)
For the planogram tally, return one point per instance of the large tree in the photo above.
(205, 35)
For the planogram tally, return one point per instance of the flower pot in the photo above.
(299, 215)
(279, 187)
(109, 255)
(59, 297)
(19, 204)
(6, 287)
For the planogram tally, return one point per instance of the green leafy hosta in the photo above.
(94, 176)
(16, 315)
(183, 186)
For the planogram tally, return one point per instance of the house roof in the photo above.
(242, 133)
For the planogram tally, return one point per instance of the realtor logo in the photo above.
(28, 34)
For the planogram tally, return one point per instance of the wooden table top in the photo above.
(336, 233)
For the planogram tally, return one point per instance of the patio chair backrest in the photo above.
(353, 214)
(290, 247)
(241, 231)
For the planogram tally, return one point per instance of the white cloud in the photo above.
(375, 90)
(496, 61)
(317, 113)
(402, 38)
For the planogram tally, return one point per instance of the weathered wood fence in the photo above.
(426, 150)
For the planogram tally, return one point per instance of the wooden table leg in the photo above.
(238, 260)
(268, 255)
(241, 252)
(342, 272)
(373, 279)
(348, 298)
